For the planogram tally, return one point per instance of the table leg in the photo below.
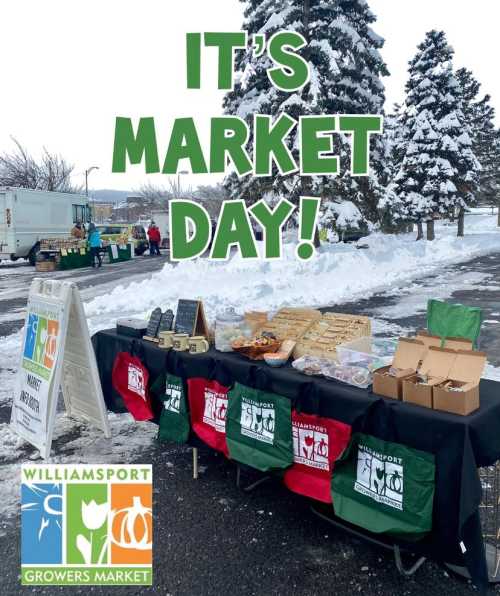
(195, 463)
(252, 486)
(399, 563)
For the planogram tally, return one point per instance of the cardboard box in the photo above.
(464, 374)
(408, 355)
(428, 339)
(458, 343)
(436, 365)
(453, 343)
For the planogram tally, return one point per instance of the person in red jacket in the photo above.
(154, 239)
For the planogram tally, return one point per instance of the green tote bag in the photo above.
(384, 487)
(259, 428)
(174, 419)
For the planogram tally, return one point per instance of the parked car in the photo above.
(27, 216)
(122, 232)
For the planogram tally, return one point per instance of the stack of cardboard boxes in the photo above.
(424, 373)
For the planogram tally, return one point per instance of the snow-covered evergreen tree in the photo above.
(437, 169)
(393, 210)
(253, 92)
(346, 71)
(480, 116)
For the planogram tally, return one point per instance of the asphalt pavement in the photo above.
(15, 280)
(211, 538)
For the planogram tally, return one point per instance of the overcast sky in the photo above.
(70, 67)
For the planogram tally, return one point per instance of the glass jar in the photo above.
(229, 325)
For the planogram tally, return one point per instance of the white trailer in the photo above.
(27, 216)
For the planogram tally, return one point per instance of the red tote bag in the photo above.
(208, 408)
(130, 380)
(317, 443)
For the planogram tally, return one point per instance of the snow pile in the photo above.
(338, 273)
(344, 214)
(78, 443)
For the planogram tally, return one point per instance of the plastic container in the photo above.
(352, 375)
(367, 352)
(229, 325)
(131, 327)
(358, 376)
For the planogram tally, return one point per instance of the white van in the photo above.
(27, 216)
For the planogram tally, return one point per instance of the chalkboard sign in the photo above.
(167, 320)
(154, 323)
(190, 318)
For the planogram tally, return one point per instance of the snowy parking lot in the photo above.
(389, 278)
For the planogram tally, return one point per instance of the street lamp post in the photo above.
(87, 172)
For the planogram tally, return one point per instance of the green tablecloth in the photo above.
(124, 254)
(75, 260)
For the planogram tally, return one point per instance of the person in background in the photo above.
(94, 244)
(78, 231)
(154, 239)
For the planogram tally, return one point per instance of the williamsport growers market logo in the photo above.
(310, 445)
(136, 381)
(380, 477)
(41, 344)
(86, 525)
(172, 401)
(215, 410)
(257, 420)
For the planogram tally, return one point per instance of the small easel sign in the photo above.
(153, 325)
(191, 318)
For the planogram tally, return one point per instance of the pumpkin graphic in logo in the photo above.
(131, 527)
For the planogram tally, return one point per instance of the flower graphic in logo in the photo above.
(93, 517)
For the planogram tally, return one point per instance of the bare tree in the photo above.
(20, 169)
(153, 193)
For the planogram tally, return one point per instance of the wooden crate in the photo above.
(333, 329)
(45, 266)
(290, 323)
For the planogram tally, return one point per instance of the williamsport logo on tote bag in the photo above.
(384, 487)
(208, 404)
(259, 428)
(130, 379)
(317, 443)
(174, 418)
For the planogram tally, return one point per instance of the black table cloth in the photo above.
(460, 444)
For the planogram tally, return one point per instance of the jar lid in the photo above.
(230, 316)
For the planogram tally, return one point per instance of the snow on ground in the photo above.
(81, 443)
(338, 273)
